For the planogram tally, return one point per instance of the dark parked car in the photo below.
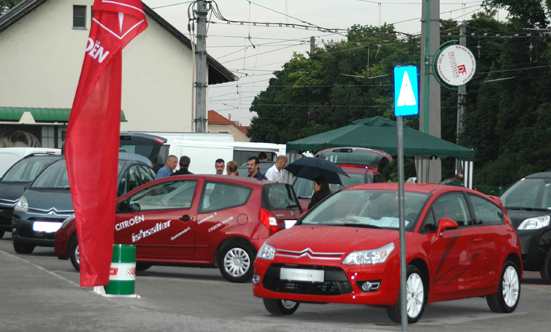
(47, 202)
(528, 203)
(199, 220)
(15, 181)
(146, 145)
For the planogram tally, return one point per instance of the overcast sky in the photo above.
(254, 60)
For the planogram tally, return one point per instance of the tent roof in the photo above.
(380, 133)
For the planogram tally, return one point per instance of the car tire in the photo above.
(506, 300)
(546, 268)
(142, 266)
(23, 248)
(280, 307)
(236, 261)
(73, 252)
(416, 297)
(2, 234)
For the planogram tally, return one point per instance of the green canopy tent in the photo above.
(380, 133)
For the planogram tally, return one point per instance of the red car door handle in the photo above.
(478, 239)
(186, 218)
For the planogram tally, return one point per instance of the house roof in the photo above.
(216, 118)
(217, 72)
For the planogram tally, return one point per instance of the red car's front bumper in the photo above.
(342, 283)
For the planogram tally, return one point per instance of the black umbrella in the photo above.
(310, 168)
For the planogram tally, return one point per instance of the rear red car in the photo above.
(197, 220)
(459, 244)
(362, 165)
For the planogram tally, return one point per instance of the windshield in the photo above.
(366, 208)
(305, 188)
(529, 193)
(279, 196)
(351, 156)
(26, 170)
(56, 176)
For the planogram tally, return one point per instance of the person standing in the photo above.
(184, 166)
(231, 168)
(254, 172)
(457, 180)
(168, 168)
(275, 172)
(219, 165)
(321, 190)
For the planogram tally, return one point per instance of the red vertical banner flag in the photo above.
(93, 134)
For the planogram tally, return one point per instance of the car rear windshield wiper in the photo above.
(293, 206)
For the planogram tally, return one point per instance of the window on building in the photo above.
(79, 17)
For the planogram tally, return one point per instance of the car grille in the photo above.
(336, 282)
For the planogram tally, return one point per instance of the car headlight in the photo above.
(67, 220)
(22, 205)
(535, 222)
(369, 256)
(266, 252)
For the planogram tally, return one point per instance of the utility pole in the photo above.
(429, 171)
(312, 45)
(461, 94)
(201, 68)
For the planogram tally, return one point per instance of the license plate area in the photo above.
(46, 226)
(302, 275)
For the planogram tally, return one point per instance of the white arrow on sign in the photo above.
(406, 97)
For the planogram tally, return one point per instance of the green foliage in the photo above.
(508, 103)
(334, 86)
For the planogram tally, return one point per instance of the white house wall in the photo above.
(41, 57)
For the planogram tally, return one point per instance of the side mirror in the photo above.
(123, 206)
(445, 224)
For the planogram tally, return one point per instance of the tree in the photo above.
(508, 113)
(526, 13)
(336, 85)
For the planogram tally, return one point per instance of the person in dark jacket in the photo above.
(184, 165)
(321, 190)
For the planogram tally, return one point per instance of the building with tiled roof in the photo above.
(42, 47)
(218, 123)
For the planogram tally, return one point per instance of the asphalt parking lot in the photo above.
(42, 293)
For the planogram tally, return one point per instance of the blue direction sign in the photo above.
(406, 92)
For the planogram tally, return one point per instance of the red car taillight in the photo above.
(269, 220)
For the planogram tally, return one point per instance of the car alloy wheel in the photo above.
(280, 307)
(236, 262)
(74, 254)
(505, 300)
(415, 295)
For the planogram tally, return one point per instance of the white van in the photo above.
(133, 138)
(203, 154)
(9, 156)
